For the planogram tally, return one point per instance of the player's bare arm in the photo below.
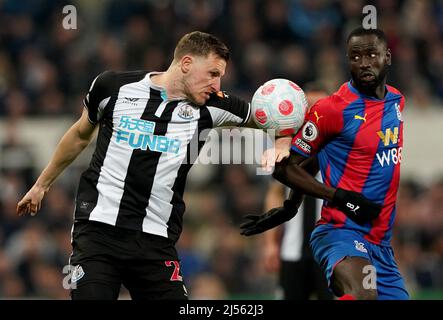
(70, 146)
(291, 173)
(351, 203)
(254, 224)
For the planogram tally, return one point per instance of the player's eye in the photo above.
(355, 58)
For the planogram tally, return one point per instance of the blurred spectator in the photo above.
(207, 286)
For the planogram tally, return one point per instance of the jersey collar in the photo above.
(355, 91)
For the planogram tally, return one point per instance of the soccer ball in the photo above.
(279, 104)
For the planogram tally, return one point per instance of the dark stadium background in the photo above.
(45, 70)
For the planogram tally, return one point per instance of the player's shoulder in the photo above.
(394, 90)
(110, 78)
(396, 95)
(129, 74)
(327, 105)
(103, 82)
(346, 94)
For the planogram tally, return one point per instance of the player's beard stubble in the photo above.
(368, 87)
(186, 82)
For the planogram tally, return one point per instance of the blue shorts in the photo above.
(332, 245)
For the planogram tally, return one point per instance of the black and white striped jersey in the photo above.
(137, 174)
(297, 231)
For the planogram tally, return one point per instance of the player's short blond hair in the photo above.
(201, 44)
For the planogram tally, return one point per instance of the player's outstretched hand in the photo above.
(254, 224)
(274, 155)
(31, 202)
(356, 206)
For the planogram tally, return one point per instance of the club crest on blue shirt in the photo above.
(360, 246)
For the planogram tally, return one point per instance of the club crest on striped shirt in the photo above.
(185, 112)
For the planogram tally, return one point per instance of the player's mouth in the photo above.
(367, 76)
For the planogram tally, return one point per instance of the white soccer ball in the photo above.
(279, 104)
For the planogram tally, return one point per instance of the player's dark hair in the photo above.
(201, 44)
(363, 32)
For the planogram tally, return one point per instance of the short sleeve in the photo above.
(323, 122)
(226, 109)
(98, 96)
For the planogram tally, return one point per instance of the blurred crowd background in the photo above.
(45, 71)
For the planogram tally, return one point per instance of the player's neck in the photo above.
(378, 92)
(170, 80)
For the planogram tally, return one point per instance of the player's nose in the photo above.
(216, 84)
(365, 63)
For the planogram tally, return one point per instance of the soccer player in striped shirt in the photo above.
(129, 205)
(357, 137)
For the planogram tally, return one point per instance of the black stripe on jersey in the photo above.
(142, 168)
(231, 104)
(103, 86)
(87, 194)
(175, 222)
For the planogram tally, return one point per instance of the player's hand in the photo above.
(356, 206)
(31, 202)
(253, 224)
(281, 151)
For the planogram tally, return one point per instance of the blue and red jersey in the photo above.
(358, 142)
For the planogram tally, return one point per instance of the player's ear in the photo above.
(388, 56)
(186, 63)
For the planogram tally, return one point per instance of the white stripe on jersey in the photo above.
(101, 108)
(160, 207)
(111, 182)
(220, 116)
(161, 108)
(292, 242)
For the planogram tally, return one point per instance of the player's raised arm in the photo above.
(353, 204)
(254, 224)
(70, 146)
